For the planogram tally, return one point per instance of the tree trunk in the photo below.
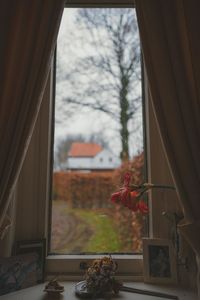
(124, 118)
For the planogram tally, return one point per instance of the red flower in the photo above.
(142, 207)
(129, 198)
(116, 197)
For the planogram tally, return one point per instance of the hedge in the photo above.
(83, 190)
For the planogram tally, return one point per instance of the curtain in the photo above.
(170, 32)
(28, 32)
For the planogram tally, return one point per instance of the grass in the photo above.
(104, 237)
(79, 230)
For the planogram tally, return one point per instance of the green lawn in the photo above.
(104, 237)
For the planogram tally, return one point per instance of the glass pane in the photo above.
(98, 132)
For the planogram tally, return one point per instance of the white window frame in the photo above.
(128, 265)
(33, 186)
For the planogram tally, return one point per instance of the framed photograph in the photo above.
(159, 261)
(18, 272)
(37, 247)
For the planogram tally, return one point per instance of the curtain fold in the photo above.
(170, 41)
(28, 32)
(170, 33)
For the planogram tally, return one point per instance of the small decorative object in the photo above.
(130, 194)
(18, 272)
(159, 261)
(53, 288)
(34, 246)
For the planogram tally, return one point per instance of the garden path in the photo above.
(69, 234)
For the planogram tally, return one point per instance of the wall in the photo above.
(32, 189)
(100, 161)
(165, 200)
(106, 163)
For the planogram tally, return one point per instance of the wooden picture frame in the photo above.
(34, 246)
(159, 261)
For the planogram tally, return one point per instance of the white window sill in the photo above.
(130, 267)
(37, 292)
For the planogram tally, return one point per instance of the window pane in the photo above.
(98, 132)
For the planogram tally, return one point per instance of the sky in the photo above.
(84, 121)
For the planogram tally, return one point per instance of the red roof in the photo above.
(84, 149)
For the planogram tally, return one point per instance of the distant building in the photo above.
(91, 157)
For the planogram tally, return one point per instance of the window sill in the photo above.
(36, 292)
(68, 266)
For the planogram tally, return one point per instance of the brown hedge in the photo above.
(83, 190)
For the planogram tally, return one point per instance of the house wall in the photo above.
(79, 163)
(100, 161)
(106, 163)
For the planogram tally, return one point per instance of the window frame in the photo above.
(60, 263)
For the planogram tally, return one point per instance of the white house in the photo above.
(91, 157)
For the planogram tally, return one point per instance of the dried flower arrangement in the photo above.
(100, 276)
(99, 279)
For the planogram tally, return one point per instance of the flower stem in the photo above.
(160, 186)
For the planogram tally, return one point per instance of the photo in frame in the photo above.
(34, 246)
(159, 261)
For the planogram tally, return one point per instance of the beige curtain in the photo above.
(170, 37)
(28, 31)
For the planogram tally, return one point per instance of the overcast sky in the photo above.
(85, 121)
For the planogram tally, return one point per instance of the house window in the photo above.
(98, 110)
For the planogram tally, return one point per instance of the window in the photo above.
(98, 58)
(33, 191)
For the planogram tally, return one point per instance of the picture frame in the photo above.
(159, 261)
(18, 272)
(34, 246)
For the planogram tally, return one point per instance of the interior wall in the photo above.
(32, 189)
(162, 200)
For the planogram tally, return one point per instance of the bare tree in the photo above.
(107, 74)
